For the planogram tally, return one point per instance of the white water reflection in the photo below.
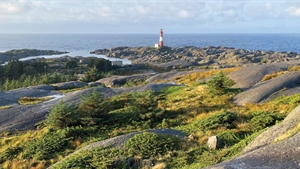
(55, 97)
(74, 54)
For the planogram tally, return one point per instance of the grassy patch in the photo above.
(73, 89)
(33, 100)
(191, 78)
(5, 107)
(288, 134)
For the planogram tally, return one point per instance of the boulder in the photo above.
(213, 142)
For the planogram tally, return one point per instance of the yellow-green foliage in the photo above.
(33, 100)
(191, 78)
(294, 68)
(5, 107)
(273, 75)
(288, 134)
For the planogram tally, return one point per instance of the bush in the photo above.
(149, 144)
(229, 138)
(46, 147)
(221, 119)
(95, 158)
(219, 84)
(9, 153)
(261, 120)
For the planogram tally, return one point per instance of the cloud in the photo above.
(14, 8)
(184, 14)
(142, 14)
(293, 11)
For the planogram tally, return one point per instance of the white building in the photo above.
(117, 63)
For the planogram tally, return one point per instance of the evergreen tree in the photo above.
(61, 116)
(92, 108)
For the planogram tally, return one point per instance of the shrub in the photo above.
(219, 84)
(47, 146)
(9, 153)
(261, 120)
(95, 158)
(149, 144)
(229, 138)
(221, 119)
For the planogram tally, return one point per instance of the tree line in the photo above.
(16, 74)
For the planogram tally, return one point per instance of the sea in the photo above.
(83, 44)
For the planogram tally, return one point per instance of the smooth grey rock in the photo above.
(69, 85)
(12, 96)
(121, 80)
(265, 89)
(247, 77)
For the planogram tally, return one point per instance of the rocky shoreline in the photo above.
(22, 53)
(199, 56)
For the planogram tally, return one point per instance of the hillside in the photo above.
(156, 117)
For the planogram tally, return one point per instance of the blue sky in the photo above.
(142, 16)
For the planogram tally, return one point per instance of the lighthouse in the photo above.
(161, 43)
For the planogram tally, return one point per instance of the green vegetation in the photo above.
(17, 74)
(192, 109)
(219, 84)
(149, 145)
(5, 107)
(33, 100)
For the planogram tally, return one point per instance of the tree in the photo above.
(91, 108)
(14, 69)
(92, 75)
(219, 84)
(71, 64)
(29, 70)
(101, 64)
(2, 74)
(61, 116)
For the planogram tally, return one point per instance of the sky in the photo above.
(149, 16)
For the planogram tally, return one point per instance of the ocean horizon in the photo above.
(83, 44)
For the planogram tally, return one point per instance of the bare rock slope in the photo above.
(255, 91)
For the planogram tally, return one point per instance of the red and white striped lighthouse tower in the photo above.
(161, 43)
